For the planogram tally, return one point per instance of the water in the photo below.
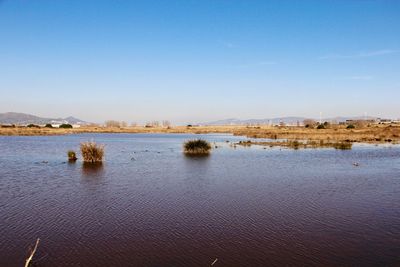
(149, 205)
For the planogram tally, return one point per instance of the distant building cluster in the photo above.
(372, 121)
(314, 123)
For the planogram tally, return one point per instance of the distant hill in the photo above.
(285, 120)
(23, 119)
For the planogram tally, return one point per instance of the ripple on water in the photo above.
(244, 206)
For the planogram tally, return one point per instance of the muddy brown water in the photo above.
(149, 205)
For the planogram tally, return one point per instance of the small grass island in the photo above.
(198, 147)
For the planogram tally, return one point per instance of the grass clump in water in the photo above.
(92, 152)
(294, 144)
(71, 155)
(245, 143)
(197, 147)
(343, 145)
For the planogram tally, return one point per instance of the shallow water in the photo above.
(149, 205)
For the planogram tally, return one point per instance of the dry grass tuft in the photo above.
(92, 152)
(197, 147)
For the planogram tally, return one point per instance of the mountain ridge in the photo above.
(24, 118)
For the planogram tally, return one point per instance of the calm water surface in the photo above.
(149, 205)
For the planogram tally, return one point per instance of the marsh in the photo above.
(246, 206)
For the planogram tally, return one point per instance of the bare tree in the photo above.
(166, 123)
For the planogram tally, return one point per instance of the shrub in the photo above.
(92, 152)
(7, 126)
(33, 126)
(66, 126)
(309, 123)
(48, 125)
(71, 155)
(321, 126)
(350, 126)
(197, 147)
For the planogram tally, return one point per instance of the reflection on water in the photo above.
(196, 159)
(244, 206)
(92, 169)
(197, 167)
(196, 156)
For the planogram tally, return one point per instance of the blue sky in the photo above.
(192, 61)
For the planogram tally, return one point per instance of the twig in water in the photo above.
(28, 260)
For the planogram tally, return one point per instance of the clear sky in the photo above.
(194, 61)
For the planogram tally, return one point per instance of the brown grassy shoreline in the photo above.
(296, 144)
(372, 134)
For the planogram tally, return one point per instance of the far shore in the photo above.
(370, 134)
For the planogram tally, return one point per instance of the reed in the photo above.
(92, 152)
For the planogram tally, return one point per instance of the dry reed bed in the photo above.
(373, 134)
(92, 152)
(367, 135)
